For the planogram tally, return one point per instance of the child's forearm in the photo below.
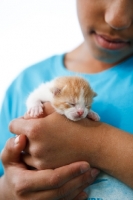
(4, 190)
(110, 150)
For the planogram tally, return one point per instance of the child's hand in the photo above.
(19, 183)
(53, 141)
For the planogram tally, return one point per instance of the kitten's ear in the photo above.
(94, 94)
(56, 91)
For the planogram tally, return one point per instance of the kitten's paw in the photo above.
(93, 115)
(35, 111)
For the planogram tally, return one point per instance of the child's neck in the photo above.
(79, 60)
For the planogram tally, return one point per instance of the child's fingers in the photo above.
(12, 150)
(48, 108)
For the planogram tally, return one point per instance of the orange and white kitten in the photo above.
(71, 96)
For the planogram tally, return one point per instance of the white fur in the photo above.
(37, 97)
(93, 115)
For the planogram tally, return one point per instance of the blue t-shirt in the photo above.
(114, 104)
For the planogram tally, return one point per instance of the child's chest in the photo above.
(115, 105)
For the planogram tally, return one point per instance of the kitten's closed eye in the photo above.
(70, 104)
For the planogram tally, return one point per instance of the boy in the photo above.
(105, 60)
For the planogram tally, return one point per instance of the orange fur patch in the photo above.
(70, 90)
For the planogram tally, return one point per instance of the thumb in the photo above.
(12, 150)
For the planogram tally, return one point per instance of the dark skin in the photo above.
(101, 17)
(19, 183)
(104, 143)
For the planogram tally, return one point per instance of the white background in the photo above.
(31, 30)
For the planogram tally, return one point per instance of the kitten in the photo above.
(71, 96)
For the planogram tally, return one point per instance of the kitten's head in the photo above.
(73, 97)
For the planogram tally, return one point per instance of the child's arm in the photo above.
(56, 141)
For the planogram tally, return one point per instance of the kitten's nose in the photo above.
(80, 113)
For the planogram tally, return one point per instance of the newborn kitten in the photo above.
(71, 96)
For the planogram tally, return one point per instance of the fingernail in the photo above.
(16, 141)
(94, 172)
(85, 168)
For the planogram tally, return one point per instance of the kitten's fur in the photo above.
(71, 96)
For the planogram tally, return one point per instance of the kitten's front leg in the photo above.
(36, 110)
(36, 99)
(34, 102)
(93, 115)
